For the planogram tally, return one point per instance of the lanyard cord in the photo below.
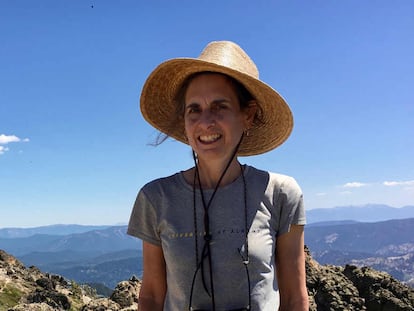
(207, 237)
(245, 256)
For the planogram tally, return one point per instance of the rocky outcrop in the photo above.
(351, 288)
(124, 297)
(330, 288)
(28, 289)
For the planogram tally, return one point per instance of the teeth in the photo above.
(210, 138)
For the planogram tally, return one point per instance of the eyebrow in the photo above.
(214, 102)
(192, 105)
(221, 100)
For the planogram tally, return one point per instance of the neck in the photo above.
(210, 173)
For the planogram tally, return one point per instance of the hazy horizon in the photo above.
(126, 223)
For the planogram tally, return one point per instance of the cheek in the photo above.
(239, 123)
(188, 129)
(186, 126)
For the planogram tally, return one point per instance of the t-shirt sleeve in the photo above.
(292, 210)
(143, 222)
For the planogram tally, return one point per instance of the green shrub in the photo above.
(9, 297)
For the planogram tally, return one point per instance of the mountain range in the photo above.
(363, 213)
(93, 241)
(49, 230)
(96, 254)
(107, 255)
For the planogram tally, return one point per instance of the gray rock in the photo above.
(330, 288)
(126, 292)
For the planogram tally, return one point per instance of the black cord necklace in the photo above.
(206, 251)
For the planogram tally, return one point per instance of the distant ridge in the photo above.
(370, 238)
(351, 213)
(331, 223)
(104, 255)
(386, 246)
(58, 229)
(98, 241)
(363, 213)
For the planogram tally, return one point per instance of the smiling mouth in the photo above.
(209, 138)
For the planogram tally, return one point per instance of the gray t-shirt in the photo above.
(163, 215)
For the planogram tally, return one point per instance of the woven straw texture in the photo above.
(161, 87)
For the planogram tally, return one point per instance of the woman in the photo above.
(220, 235)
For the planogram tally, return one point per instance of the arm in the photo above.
(290, 267)
(154, 282)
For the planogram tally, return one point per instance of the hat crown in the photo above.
(230, 55)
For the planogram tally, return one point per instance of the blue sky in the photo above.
(74, 147)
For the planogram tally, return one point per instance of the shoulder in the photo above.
(274, 180)
(161, 183)
(276, 187)
(286, 183)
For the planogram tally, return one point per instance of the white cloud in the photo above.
(5, 139)
(354, 184)
(398, 183)
(393, 192)
(3, 149)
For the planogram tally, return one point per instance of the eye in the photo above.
(192, 108)
(219, 105)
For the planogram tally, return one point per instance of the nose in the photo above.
(207, 118)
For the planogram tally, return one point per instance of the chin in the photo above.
(212, 154)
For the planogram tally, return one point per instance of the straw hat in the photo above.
(160, 89)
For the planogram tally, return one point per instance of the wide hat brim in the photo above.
(157, 104)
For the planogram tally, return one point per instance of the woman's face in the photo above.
(214, 122)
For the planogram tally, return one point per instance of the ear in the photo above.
(250, 113)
